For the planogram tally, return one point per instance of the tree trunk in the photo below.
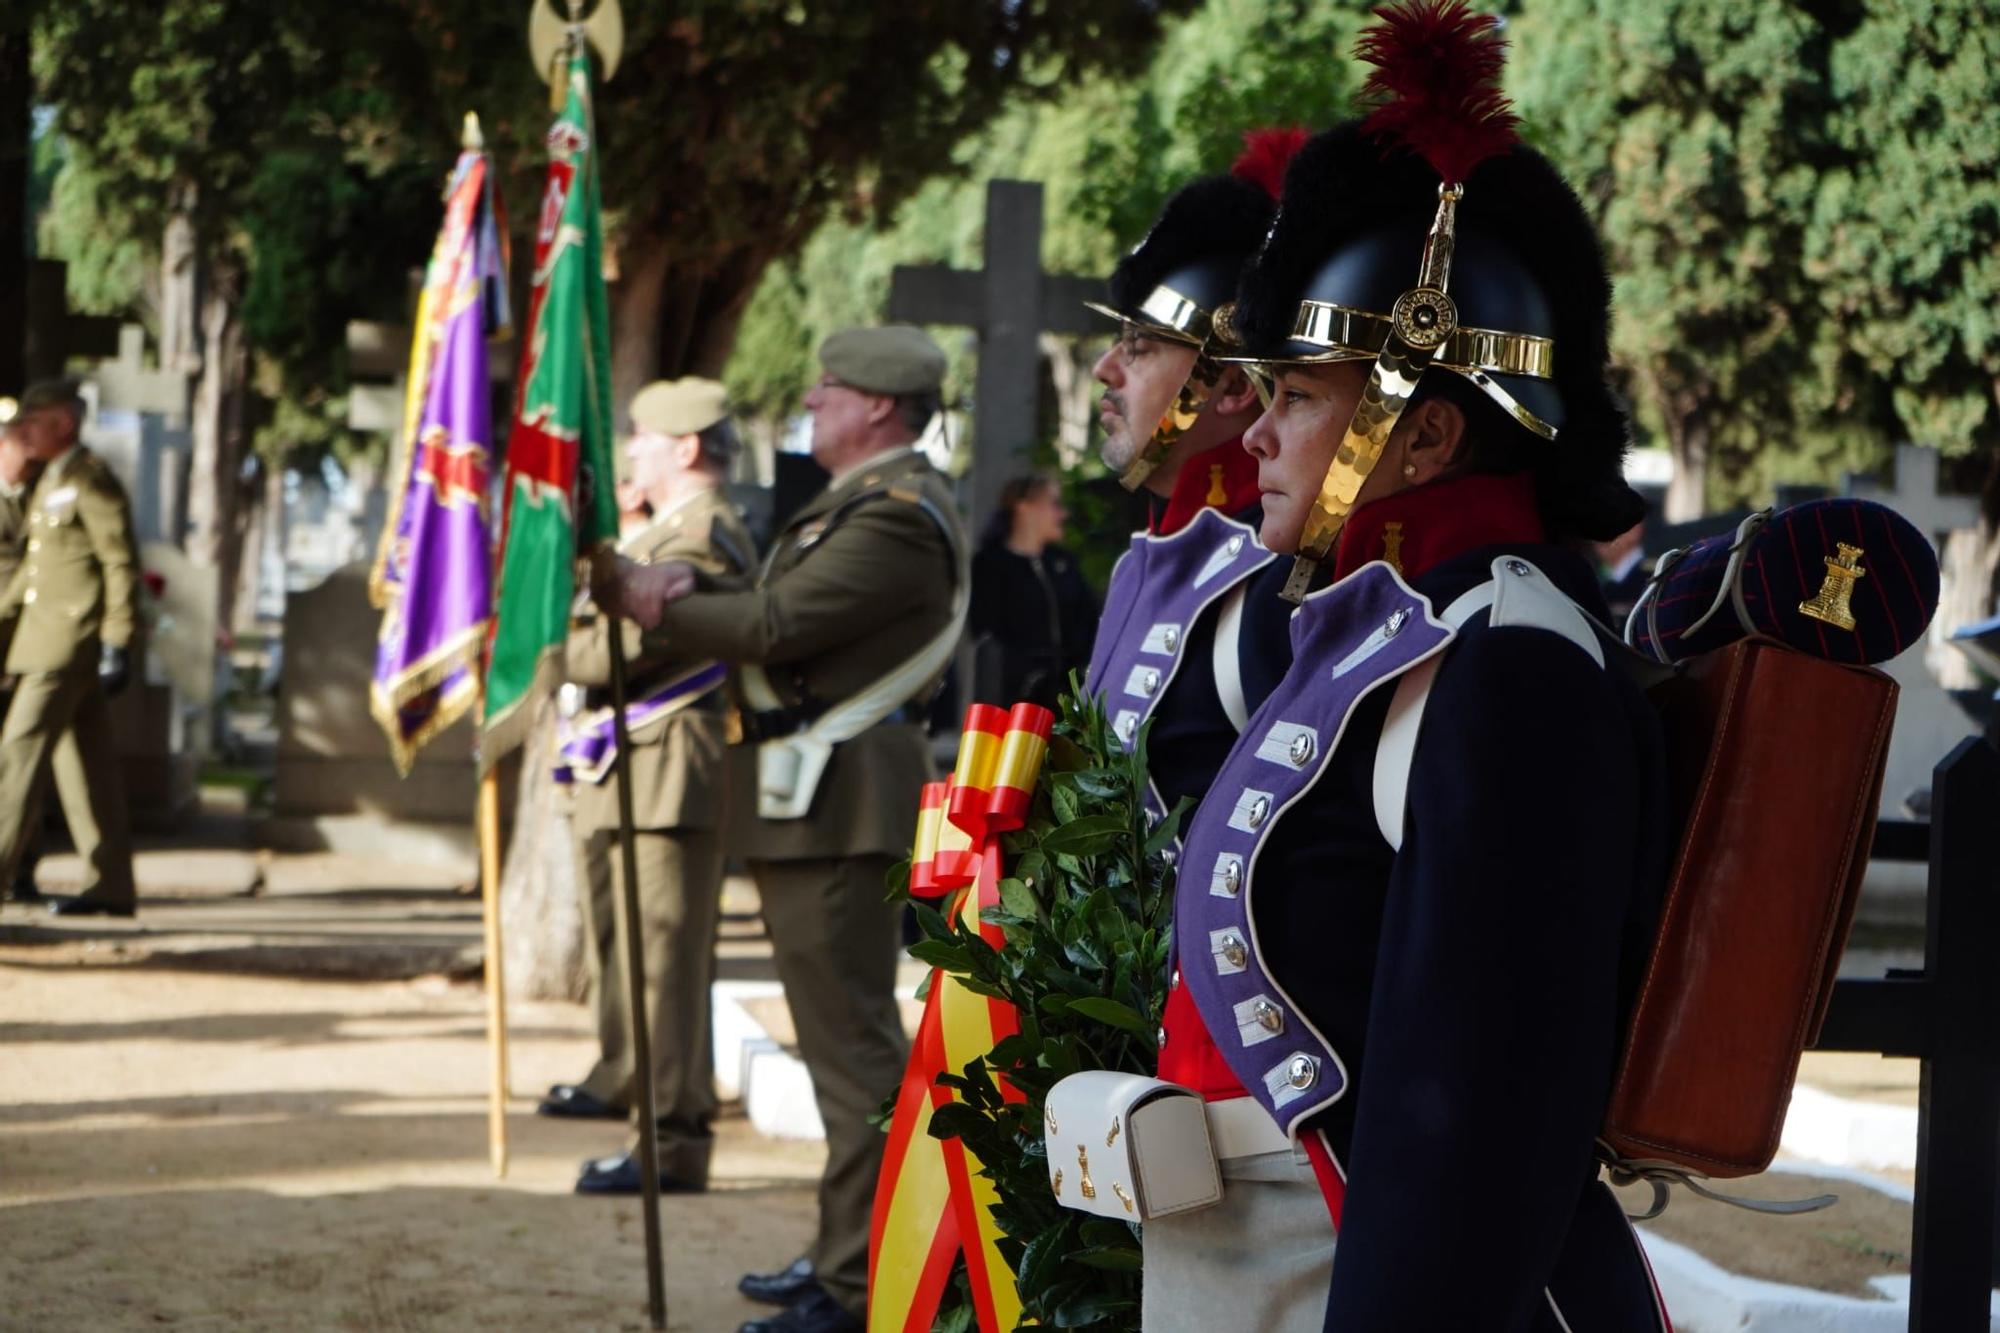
(666, 321)
(259, 516)
(1069, 369)
(1684, 408)
(540, 921)
(180, 348)
(215, 481)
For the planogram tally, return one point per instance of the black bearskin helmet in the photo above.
(1530, 301)
(1187, 266)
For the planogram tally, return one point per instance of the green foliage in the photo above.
(306, 141)
(1108, 150)
(1903, 243)
(106, 262)
(1086, 911)
(1802, 210)
(1692, 130)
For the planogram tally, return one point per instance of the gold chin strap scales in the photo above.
(1177, 421)
(1424, 318)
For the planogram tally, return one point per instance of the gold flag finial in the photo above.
(1832, 604)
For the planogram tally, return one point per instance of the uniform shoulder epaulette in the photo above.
(905, 492)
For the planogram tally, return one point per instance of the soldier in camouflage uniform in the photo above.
(854, 615)
(680, 770)
(71, 611)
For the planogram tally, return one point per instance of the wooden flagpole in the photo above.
(496, 992)
(635, 984)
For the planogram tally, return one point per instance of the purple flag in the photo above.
(434, 572)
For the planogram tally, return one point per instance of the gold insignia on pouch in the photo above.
(1083, 1166)
(1392, 545)
(1058, 1180)
(1837, 590)
(1050, 1112)
(1111, 1137)
(1123, 1197)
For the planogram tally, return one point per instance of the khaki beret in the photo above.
(52, 393)
(679, 407)
(892, 359)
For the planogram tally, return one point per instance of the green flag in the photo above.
(557, 502)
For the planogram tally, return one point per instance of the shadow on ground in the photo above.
(392, 1259)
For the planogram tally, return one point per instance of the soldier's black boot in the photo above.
(782, 1287)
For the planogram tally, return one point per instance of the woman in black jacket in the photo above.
(1032, 616)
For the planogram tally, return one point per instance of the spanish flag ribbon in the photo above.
(931, 1203)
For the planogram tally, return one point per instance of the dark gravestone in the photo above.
(17, 88)
(54, 332)
(1010, 303)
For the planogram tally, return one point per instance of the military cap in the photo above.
(679, 407)
(52, 393)
(892, 359)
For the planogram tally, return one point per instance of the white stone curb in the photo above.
(1869, 1136)
(1702, 1298)
(776, 1091)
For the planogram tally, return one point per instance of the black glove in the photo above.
(114, 669)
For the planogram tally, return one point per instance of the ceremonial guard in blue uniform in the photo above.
(1412, 910)
(1189, 641)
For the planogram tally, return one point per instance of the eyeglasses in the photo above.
(1135, 342)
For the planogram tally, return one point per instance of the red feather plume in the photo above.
(1265, 155)
(1437, 71)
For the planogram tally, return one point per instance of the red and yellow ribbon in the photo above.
(931, 1204)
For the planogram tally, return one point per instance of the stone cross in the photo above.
(128, 383)
(376, 353)
(1010, 302)
(138, 422)
(1916, 497)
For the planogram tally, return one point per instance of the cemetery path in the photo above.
(209, 1151)
(261, 1105)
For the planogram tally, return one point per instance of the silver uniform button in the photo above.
(1234, 544)
(1171, 639)
(1232, 877)
(1259, 810)
(1150, 682)
(1302, 1071)
(1174, 983)
(1270, 1017)
(1161, 1034)
(1397, 619)
(1518, 568)
(1302, 749)
(1236, 954)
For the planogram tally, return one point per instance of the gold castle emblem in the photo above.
(1392, 545)
(1836, 592)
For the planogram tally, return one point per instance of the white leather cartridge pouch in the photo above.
(1129, 1147)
